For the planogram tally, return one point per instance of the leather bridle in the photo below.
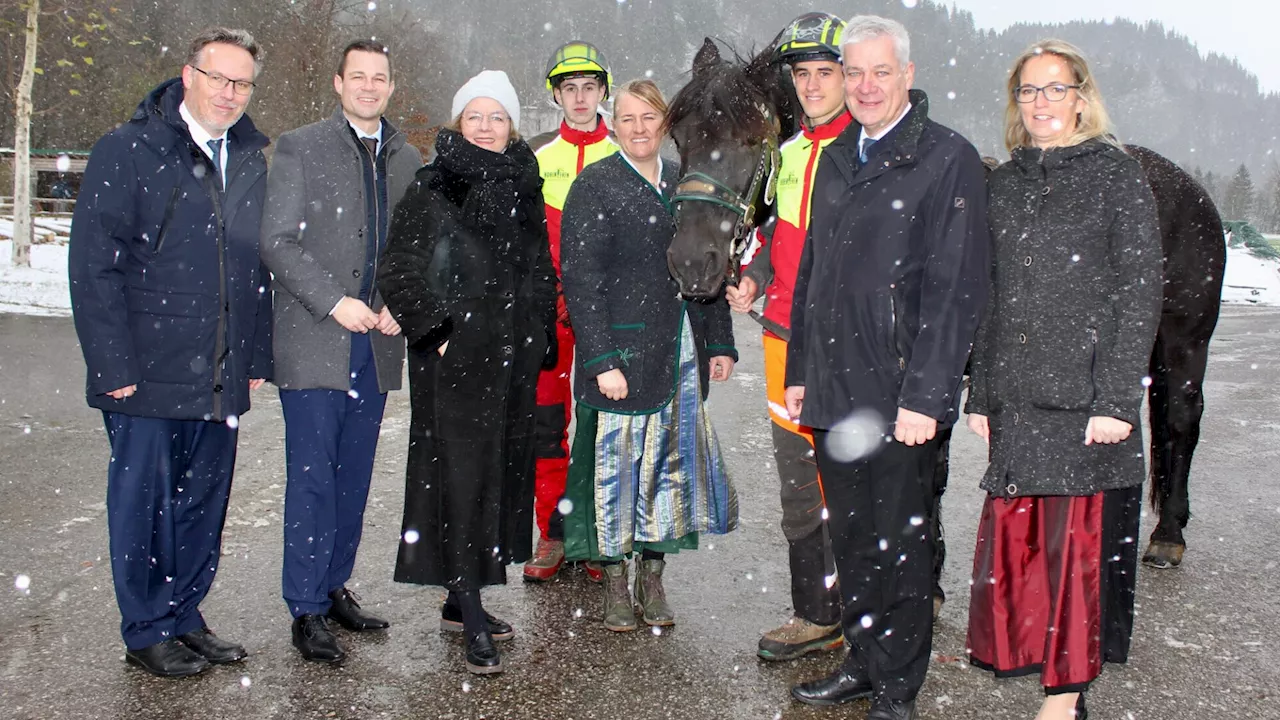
(700, 187)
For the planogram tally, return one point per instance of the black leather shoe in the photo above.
(346, 610)
(314, 639)
(451, 620)
(482, 655)
(885, 709)
(168, 658)
(835, 689)
(213, 648)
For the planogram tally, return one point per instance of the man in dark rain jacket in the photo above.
(174, 319)
(890, 288)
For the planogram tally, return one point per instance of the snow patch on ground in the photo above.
(1251, 280)
(41, 289)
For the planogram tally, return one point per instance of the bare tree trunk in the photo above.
(22, 145)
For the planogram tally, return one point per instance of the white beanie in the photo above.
(492, 84)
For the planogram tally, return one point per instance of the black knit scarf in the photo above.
(499, 183)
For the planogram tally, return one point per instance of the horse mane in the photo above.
(728, 98)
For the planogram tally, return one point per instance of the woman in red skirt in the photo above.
(1058, 377)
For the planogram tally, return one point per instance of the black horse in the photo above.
(1195, 258)
(726, 123)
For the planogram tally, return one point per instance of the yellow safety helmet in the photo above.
(577, 59)
(812, 36)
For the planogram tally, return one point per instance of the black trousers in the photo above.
(879, 509)
(809, 552)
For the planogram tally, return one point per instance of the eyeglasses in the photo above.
(1054, 92)
(218, 82)
(477, 119)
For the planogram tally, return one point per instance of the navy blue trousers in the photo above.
(330, 438)
(167, 489)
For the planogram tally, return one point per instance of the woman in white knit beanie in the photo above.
(468, 274)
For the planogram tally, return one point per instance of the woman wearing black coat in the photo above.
(646, 474)
(468, 275)
(1057, 385)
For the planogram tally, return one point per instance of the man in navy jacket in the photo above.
(173, 313)
(891, 284)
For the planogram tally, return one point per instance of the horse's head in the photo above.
(726, 123)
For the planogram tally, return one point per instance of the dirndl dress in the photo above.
(648, 482)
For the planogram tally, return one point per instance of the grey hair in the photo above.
(861, 28)
(227, 36)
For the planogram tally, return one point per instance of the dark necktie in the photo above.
(866, 148)
(216, 147)
(372, 145)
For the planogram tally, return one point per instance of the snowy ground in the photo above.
(42, 288)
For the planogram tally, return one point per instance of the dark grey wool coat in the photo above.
(626, 308)
(314, 242)
(1072, 319)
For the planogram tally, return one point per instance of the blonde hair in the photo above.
(456, 126)
(1091, 122)
(645, 90)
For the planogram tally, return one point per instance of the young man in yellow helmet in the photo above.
(578, 78)
(808, 46)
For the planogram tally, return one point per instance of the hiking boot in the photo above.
(798, 637)
(650, 595)
(618, 613)
(546, 561)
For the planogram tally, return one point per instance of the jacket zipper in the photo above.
(893, 332)
(220, 343)
(168, 219)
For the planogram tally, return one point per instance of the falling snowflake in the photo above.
(22, 582)
(411, 536)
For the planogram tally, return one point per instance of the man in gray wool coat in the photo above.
(338, 351)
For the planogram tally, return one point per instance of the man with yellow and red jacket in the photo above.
(578, 78)
(809, 47)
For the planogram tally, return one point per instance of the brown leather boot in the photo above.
(650, 595)
(618, 613)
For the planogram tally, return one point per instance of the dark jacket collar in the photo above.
(163, 126)
(392, 140)
(667, 179)
(903, 141)
(1035, 162)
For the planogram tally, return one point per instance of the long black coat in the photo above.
(167, 288)
(893, 277)
(626, 308)
(467, 262)
(1074, 313)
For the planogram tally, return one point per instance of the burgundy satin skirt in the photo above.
(1053, 586)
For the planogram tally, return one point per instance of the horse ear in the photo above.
(708, 56)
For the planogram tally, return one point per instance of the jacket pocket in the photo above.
(1061, 368)
(173, 335)
(631, 341)
(166, 224)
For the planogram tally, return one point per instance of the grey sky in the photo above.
(1240, 28)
